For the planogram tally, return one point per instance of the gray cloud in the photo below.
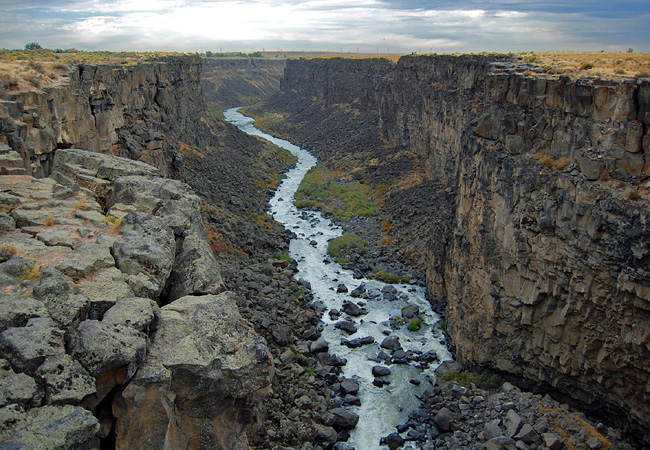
(367, 25)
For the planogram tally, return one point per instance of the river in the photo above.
(382, 408)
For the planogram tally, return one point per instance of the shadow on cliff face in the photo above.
(538, 238)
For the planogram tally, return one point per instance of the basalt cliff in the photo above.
(524, 196)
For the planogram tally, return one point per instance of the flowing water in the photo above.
(382, 408)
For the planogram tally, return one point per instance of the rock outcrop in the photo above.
(147, 112)
(205, 365)
(82, 325)
(230, 82)
(542, 263)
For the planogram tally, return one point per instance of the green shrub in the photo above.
(465, 378)
(587, 66)
(284, 256)
(414, 324)
(335, 193)
(348, 240)
(387, 277)
(300, 204)
(405, 279)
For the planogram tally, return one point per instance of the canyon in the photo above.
(522, 197)
(540, 259)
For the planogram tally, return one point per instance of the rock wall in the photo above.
(543, 268)
(230, 82)
(146, 112)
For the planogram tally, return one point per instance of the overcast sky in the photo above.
(330, 25)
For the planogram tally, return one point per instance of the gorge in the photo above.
(522, 196)
(542, 267)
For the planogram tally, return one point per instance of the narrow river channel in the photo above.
(417, 353)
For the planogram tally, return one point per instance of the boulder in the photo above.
(65, 380)
(358, 291)
(53, 428)
(325, 434)
(195, 269)
(391, 343)
(443, 419)
(86, 259)
(552, 441)
(18, 388)
(282, 334)
(72, 162)
(349, 386)
(141, 314)
(346, 325)
(344, 419)
(492, 429)
(501, 443)
(393, 441)
(526, 434)
(109, 352)
(204, 363)
(145, 252)
(351, 309)
(319, 346)
(16, 311)
(389, 292)
(27, 347)
(380, 371)
(513, 423)
(103, 288)
(358, 342)
(55, 290)
(410, 311)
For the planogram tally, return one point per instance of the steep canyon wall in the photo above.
(146, 112)
(231, 82)
(544, 267)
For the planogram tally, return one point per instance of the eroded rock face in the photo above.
(106, 107)
(542, 262)
(80, 310)
(194, 269)
(191, 392)
(145, 252)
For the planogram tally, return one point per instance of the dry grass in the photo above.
(28, 70)
(74, 56)
(49, 221)
(634, 194)
(575, 64)
(590, 65)
(34, 272)
(390, 57)
(29, 75)
(547, 160)
(113, 224)
(6, 252)
(82, 205)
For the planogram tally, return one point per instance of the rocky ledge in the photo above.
(111, 305)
